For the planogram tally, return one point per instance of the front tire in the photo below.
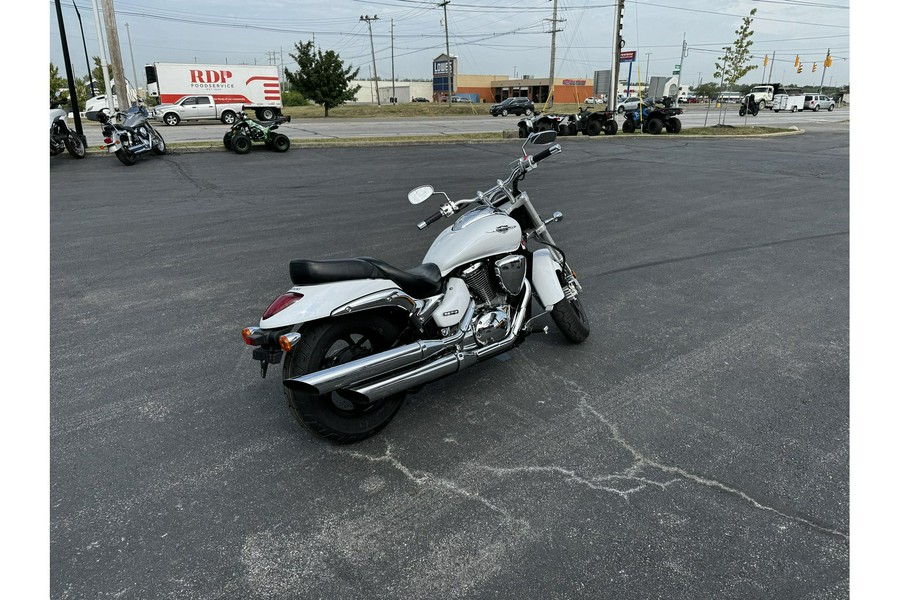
(610, 127)
(594, 128)
(241, 144)
(570, 316)
(171, 119)
(628, 126)
(159, 144)
(226, 140)
(673, 125)
(655, 126)
(334, 342)
(504, 112)
(75, 146)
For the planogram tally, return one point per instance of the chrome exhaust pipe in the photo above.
(436, 369)
(378, 365)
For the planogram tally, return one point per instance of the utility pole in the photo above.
(451, 76)
(104, 65)
(87, 58)
(680, 67)
(73, 98)
(825, 68)
(393, 80)
(772, 68)
(618, 44)
(131, 51)
(115, 53)
(647, 74)
(553, 31)
(368, 21)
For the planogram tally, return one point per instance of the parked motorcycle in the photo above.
(358, 334)
(61, 137)
(133, 137)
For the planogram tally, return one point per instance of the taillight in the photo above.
(281, 302)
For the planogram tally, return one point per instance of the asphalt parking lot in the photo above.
(695, 446)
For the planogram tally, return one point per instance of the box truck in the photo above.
(255, 87)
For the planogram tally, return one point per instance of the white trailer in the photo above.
(786, 102)
(256, 87)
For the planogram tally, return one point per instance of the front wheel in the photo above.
(523, 132)
(75, 146)
(335, 342)
(762, 104)
(655, 126)
(240, 143)
(594, 128)
(159, 144)
(226, 140)
(628, 126)
(171, 119)
(569, 315)
(673, 125)
(504, 112)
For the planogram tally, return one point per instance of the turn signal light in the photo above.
(281, 302)
(288, 341)
(251, 336)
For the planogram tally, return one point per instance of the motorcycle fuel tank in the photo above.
(481, 232)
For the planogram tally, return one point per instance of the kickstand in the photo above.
(263, 367)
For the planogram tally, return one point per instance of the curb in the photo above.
(505, 135)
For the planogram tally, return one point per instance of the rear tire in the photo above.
(335, 342)
(655, 126)
(594, 127)
(281, 143)
(610, 127)
(228, 117)
(266, 114)
(126, 157)
(240, 144)
(628, 126)
(831, 108)
(159, 144)
(523, 132)
(227, 140)
(673, 125)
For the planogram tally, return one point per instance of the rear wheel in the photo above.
(335, 342)
(228, 117)
(281, 142)
(266, 114)
(654, 126)
(610, 127)
(831, 108)
(816, 109)
(673, 125)
(126, 156)
(240, 144)
(594, 127)
(528, 112)
(628, 126)
(569, 315)
(523, 131)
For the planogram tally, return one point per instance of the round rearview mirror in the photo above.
(543, 137)
(420, 194)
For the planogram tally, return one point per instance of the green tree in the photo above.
(734, 65)
(59, 87)
(97, 74)
(322, 77)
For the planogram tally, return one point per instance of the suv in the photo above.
(816, 101)
(516, 105)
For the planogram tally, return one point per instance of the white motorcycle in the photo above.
(61, 137)
(359, 334)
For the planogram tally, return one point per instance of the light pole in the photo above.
(87, 58)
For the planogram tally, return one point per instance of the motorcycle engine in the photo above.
(491, 323)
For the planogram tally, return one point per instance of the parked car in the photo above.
(517, 105)
(420, 99)
(629, 104)
(190, 108)
(814, 102)
(462, 99)
(595, 100)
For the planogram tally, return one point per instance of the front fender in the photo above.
(544, 278)
(320, 301)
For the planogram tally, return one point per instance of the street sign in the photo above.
(574, 81)
(627, 56)
(677, 70)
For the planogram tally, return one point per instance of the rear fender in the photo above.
(339, 298)
(544, 278)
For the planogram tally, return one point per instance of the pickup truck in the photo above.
(194, 108)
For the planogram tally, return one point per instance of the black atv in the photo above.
(652, 117)
(586, 122)
(245, 131)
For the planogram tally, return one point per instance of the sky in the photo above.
(495, 37)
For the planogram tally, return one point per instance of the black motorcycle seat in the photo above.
(421, 281)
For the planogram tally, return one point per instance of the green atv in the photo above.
(245, 131)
